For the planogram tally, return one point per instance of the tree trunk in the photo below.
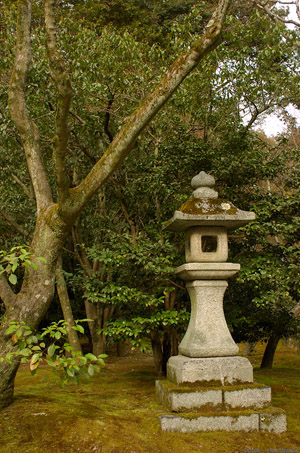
(121, 348)
(268, 357)
(170, 347)
(8, 372)
(31, 304)
(54, 221)
(166, 352)
(66, 306)
(174, 342)
(99, 316)
(157, 352)
(249, 348)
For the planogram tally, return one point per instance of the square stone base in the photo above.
(222, 370)
(182, 398)
(216, 394)
(272, 420)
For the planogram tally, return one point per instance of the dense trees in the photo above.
(73, 146)
(57, 213)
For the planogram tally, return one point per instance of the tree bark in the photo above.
(124, 140)
(31, 304)
(157, 352)
(268, 357)
(65, 304)
(99, 316)
(54, 221)
(249, 348)
(8, 372)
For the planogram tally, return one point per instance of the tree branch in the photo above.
(256, 113)
(140, 118)
(124, 208)
(65, 304)
(13, 223)
(7, 295)
(264, 6)
(22, 185)
(107, 119)
(84, 149)
(63, 85)
(18, 109)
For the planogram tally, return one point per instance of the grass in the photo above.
(117, 412)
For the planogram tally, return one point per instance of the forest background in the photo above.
(116, 266)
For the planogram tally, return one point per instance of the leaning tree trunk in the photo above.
(8, 372)
(268, 357)
(31, 304)
(65, 304)
(54, 221)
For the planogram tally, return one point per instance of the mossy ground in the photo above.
(117, 411)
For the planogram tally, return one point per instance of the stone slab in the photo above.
(182, 221)
(207, 271)
(223, 370)
(187, 399)
(182, 398)
(256, 398)
(273, 421)
(173, 423)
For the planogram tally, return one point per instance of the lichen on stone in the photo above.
(208, 206)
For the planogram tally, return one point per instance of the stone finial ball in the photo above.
(202, 180)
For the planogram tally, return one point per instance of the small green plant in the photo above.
(51, 347)
(16, 258)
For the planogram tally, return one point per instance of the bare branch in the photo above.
(25, 125)
(13, 223)
(65, 304)
(84, 149)
(81, 255)
(77, 117)
(264, 6)
(124, 208)
(107, 119)
(140, 118)
(297, 4)
(255, 114)
(63, 85)
(23, 186)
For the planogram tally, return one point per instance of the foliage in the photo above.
(18, 257)
(149, 21)
(51, 347)
(126, 48)
(267, 288)
(138, 329)
(135, 277)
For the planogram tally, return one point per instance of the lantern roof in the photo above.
(206, 209)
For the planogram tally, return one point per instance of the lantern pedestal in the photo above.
(208, 383)
(209, 370)
(207, 334)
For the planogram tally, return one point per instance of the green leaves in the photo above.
(138, 328)
(51, 350)
(31, 347)
(18, 257)
(13, 279)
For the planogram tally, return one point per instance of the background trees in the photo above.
(125, 261)
(58, 204)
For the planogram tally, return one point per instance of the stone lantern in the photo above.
(208, 374)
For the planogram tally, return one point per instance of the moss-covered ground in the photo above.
(117, 412)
